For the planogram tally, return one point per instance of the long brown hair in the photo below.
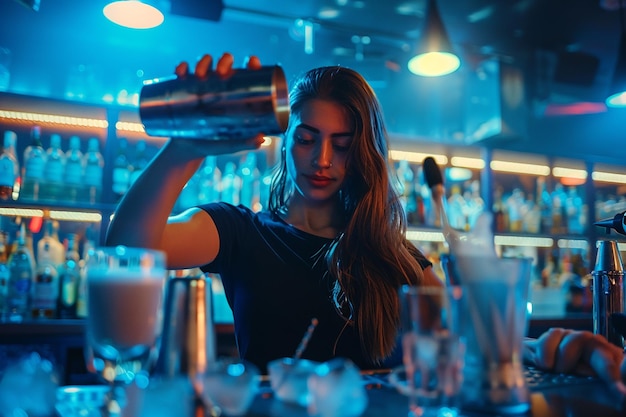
(371, 258)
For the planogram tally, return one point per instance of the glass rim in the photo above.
(123, 249)
(126, 258)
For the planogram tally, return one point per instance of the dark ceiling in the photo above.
(561, 54)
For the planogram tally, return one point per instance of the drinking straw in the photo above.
(299, 350)
(305, 339)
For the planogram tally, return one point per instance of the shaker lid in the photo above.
(608, 257)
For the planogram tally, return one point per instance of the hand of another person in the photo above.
(223, 69)
(581, 352)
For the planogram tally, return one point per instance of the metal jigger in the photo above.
(608, 283)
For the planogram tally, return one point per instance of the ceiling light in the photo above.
(561, 172)
(520, 168)
(464, 162)
(134, 14)
(617, 91)
(612, 177)
(416, 157)
(434, 56)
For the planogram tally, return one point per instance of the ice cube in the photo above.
(337, 390)
(231, 385)
(288, 378)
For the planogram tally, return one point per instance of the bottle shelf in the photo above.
(59, 206)
(433, 234)
(66, 212)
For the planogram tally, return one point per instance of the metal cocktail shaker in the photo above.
(188, 342)
(241, 106)
(608, 290)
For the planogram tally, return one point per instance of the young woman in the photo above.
(331, 245)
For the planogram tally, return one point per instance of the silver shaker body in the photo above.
(188, 342)
(241, 106)
(608, 290)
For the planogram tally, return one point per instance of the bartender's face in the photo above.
(317, 144)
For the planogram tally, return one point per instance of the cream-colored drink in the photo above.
(124, 309)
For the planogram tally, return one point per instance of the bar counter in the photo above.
(581, 399)
(62, 340)
(584, 397)
(565, 396)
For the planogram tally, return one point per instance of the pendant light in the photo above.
(434, 55)
(617, 91)
(134, 14)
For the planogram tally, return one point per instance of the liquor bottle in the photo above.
(21, 278)
(250, 186)
(544, 201)
(475, 203)
(405, 187)
(49, 246)
(69, 280)
(559, 216)
(74, 170)
(94, 164)
(54, 170)
(81, 295)
(45, 288)
(121, 170)
(574, 211)
(231, 184)
(456, 208)
(499, 214)
(210, 179)
(9, 168)
(428, 210)
(139, 162)
(34, 165)
(515, 206)
(5, 276)
(532, 217)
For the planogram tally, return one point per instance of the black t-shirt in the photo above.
(275, 283)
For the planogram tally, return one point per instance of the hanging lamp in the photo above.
(134, 14)
(434, 55)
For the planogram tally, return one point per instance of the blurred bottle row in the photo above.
(463, 202)
(560, 210)
(43, 280)
(52, 175)
(520, 203)
(234, 182)
(530, 206)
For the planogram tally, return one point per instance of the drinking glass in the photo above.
(494, 325)
(433, 350)
(124, 315)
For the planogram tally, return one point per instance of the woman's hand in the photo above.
(223, 69)
(582, 352)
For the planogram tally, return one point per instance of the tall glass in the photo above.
(124, 319)
(433, 350)
(494, 324)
